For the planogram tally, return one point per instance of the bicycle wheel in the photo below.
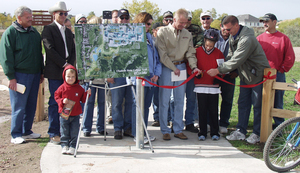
(279, 153)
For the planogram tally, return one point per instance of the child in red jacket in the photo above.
(207, 91)
(69, 91)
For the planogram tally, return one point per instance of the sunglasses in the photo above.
(228, 29)
(205, 18)
(149, 24)
(168, 19)
(189, 19)
(126, 18)
(82, 21)
(61, 13)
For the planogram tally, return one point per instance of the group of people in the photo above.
(176, 46)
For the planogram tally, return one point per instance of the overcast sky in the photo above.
(283, 9)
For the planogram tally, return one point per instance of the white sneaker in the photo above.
(223, 130)
(32, 136)
(236, 135)
(152, 138)
(17, 140)
(253, 139)
(71, 151)
(65, 150)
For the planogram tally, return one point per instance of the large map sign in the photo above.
(111, 50)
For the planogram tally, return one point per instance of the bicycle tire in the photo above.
(280, 155)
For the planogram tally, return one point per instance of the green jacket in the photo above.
(21, 51)
(197, 33)
(245, 54)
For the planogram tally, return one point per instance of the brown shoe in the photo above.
(167, 137)
(181, 136)
(55, 140)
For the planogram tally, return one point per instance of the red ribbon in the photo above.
(249, 86)
(166, 86)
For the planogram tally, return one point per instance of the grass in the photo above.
(257, 149)
(42, 141)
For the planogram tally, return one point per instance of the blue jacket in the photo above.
(155, 67)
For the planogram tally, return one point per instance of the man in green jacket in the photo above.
(247, 56)
(22, 61)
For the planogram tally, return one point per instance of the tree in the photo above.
(91, 14)
(216, 24)
(142, 6)
(196, 16)
(213, 13)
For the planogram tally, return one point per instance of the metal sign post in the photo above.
(139, 114)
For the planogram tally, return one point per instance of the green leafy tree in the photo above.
(91, 14)
(292, 29)
(136, 7)
(213, 13)
(196, 16)
(216, 24)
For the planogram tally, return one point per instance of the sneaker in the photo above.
(146, 141)
(253, 139)
(128, 133)
(152, 138)
(201, 138)
(191, 128)
(215, 137)
(87, 134)
(55, 140)
(236, 135)
(32, 136)
(110, 121)
(155, 124)
(181, 136)
(17, 140)
(223, 130)
(65, 150)
(167, 137)
(71, 151)
(118, 135)
(208, 128)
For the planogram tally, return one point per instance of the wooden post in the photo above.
(268, 97)
(39, 113)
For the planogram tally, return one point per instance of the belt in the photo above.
(178, 62)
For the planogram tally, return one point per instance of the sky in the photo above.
(283, 9)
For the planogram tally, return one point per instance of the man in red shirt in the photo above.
(280, 54)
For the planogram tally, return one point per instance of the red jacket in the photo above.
(73, 92)
(206, 62)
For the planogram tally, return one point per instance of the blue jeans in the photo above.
(155, 103)
(191, 110)
(117, 96)
(227, 92)
(24, 105)
(88, 119)
(148, 94)
(248, 97)
(278, 102)
(69, 131)
(164, 98)
(53, 115)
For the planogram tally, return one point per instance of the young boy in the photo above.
(69, 91)
(207, 91)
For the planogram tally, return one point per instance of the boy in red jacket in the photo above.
(70, 91)
(207, 91)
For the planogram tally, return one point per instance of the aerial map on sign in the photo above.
(111, 50)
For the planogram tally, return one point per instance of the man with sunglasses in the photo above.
(247, 56)
(121, 123)
(280, 54)
(206, 19)
(80, 19)
(60, 52)
(168, 18)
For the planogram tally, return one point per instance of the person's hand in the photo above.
(213, 72)
(154, 78)
(13, 84)
(89, 92)
(110, 80)
(41, 78)
(177, 72)
(197, 71)
(65, 101)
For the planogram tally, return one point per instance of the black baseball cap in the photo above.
(168, 13)
(123, 12)
(268, 16)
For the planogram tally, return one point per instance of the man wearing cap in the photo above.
(280, 54)
(227, 90)
(22, 61)
(175, 45)
(206, 19)
(247, 56)
(60, 52)
(121, 122)
(168, 18)
(80, 19)
(191, 111)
